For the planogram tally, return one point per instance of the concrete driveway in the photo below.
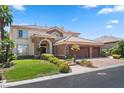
(102, 62)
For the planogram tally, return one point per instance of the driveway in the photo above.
(102, 62)
(78, 68)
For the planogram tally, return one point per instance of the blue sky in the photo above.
(91, 21)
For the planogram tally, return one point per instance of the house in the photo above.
(54, 40)
(108, 41)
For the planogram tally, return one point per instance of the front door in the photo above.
(43, 50)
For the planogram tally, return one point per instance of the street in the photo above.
(108, 78)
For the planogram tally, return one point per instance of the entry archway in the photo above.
(46, 45)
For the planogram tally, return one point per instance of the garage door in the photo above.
(96, 51)
(83, 53)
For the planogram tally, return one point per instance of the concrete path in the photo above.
(78, 68)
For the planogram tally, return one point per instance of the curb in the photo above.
(5, 85)
(2, 82)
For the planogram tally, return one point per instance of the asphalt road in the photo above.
(108, 78)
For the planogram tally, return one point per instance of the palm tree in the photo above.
(75, 48)
(5, 19)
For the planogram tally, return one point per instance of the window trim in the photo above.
(27, 49)
(22, 37)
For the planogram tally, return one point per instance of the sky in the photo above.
(92, 21)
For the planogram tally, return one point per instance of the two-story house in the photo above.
(54, 40)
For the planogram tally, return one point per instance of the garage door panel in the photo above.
(96, 51)
(83, 53)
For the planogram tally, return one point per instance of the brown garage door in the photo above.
(96, 51)
(83, 53)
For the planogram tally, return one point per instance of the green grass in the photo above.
(122, 58)
(27, 69)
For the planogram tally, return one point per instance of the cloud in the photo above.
(19, 7)
(113, 22)
(75, 19)
(90, 6)
(23, 24)
(114, 9)
(109, 26)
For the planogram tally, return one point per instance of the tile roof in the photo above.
(77, 40)
(47, 28)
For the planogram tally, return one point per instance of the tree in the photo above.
(5, 19)
(6, 55)
(6, 44)
(75, 48)
(121, 47)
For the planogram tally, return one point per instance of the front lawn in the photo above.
(27, 69)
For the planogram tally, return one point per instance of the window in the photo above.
(23, 34)
(22, 49)
(56, 34)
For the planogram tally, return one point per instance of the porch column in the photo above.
(91, 52)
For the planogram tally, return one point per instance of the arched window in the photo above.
(56, 34)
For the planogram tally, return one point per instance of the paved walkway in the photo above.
(103, 62)
(78, 68)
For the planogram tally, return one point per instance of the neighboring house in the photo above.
(108, 41)
(53, 40)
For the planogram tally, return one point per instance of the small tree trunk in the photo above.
(74, 57)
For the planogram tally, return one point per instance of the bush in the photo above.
(54, 60)
(46, 56)
(105, 53)
(85, 63)
(12, 57)
(7, 64)
(25, 57)
(70, 58)
(116, 56)
(64, 67)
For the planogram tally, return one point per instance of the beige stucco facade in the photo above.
(52, 40)
(109, 45)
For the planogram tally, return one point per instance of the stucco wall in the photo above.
(28, 41)
(108, 45)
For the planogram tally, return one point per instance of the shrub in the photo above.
(46, 56)
(59, 63)
(7, 64)
(105, 53)
(70, 58)
(25, 57)
(64, 67)
(54, 60)
(116, 56)
(85, 63)
(12, 57)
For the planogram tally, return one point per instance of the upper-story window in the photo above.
(56, 34)
(23, 34)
